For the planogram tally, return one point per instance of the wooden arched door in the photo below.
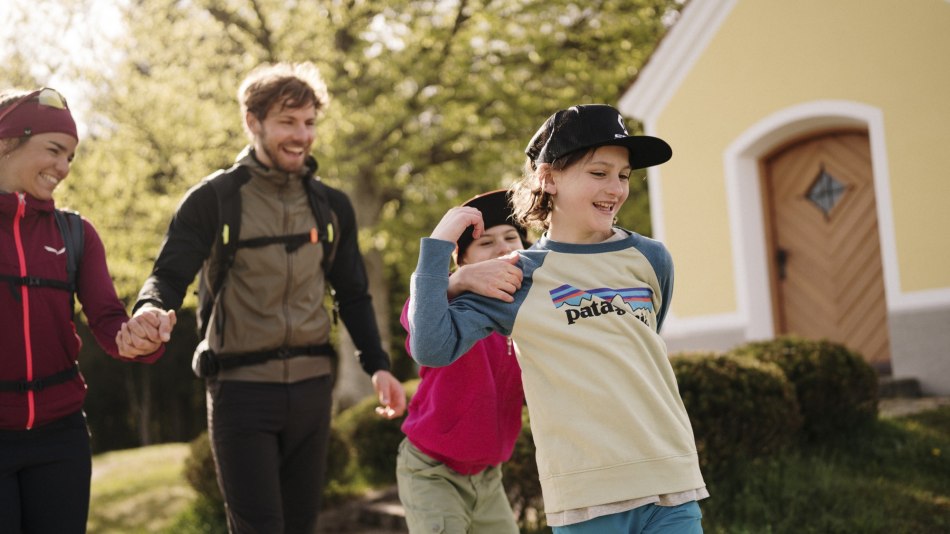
(826, 268)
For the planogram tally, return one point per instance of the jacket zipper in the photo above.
(25, 300)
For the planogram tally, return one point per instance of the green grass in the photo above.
(893, 477)
(138, 490)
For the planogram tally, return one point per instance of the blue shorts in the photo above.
(682, 519)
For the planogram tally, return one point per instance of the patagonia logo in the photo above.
(54, 251)
(580, 304)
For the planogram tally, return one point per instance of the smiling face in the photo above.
(37, 166)
(494, 242)
(283, 139)
(587, 195)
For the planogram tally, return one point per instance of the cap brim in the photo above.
(645, 151)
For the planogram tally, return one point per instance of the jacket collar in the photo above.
(9, 202)
(248, 158)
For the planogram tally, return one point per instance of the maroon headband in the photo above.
(42, 111)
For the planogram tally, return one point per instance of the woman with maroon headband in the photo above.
(45, 461)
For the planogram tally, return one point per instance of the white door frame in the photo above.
(746, 220)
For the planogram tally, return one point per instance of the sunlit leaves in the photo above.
(432, 102)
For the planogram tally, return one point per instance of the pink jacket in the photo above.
(468, 415)
(39, 338)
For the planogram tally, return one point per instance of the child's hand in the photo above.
(498, 278)
(455, 221)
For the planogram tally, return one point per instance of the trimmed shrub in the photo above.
(374, 441)
(200, 472)
(338, 456)
(836, 388)
(201, 475)
(740, 408)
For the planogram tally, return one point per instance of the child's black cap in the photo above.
(589, 126)
(496, 209)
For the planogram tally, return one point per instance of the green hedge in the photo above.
(836, 388)
(372, 440)
(740, 408)
(200, 472)
(745, 404)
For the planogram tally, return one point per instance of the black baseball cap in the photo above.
(589, 126)
(496, 209)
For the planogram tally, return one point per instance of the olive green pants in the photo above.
(438, 499)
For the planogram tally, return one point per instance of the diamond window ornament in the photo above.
(825, 192)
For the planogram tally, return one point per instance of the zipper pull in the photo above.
(509, 345)
(21, 204)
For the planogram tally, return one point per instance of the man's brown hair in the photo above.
(290, 85)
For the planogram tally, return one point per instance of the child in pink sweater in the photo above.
(464, 418)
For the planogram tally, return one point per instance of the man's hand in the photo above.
(498, 278)
(390, 393)
(145, 332)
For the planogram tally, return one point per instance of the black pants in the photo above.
(270, 447)
(44, 478)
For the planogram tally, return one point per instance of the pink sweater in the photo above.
(468, 415)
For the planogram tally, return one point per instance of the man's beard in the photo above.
(276, 162)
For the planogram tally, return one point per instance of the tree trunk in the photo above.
(138, 388)
(352, 383)
(145, 408)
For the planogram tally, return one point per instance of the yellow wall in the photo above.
(772, 54)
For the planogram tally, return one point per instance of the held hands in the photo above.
(391, 395)
(145, 332)
(455, 221)
(498, 278)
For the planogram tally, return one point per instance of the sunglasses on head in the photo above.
(51, 98)
(45, 97)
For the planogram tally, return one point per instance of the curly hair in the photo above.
(290, 85)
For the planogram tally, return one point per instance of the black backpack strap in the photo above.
(23, 386)
(33, 281)
(323, 213)
(70, 225)
(319, 200)
(226, 185)
(291, 242)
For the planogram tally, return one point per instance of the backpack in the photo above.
(71, 227)
(227, 185)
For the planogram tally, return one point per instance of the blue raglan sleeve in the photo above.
(440, 332)
(666, 285)
(662, 263)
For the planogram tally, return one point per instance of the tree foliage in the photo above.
(433, 101)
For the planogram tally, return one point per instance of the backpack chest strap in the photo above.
(34, 281)
(291, 242)
(22, 386)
